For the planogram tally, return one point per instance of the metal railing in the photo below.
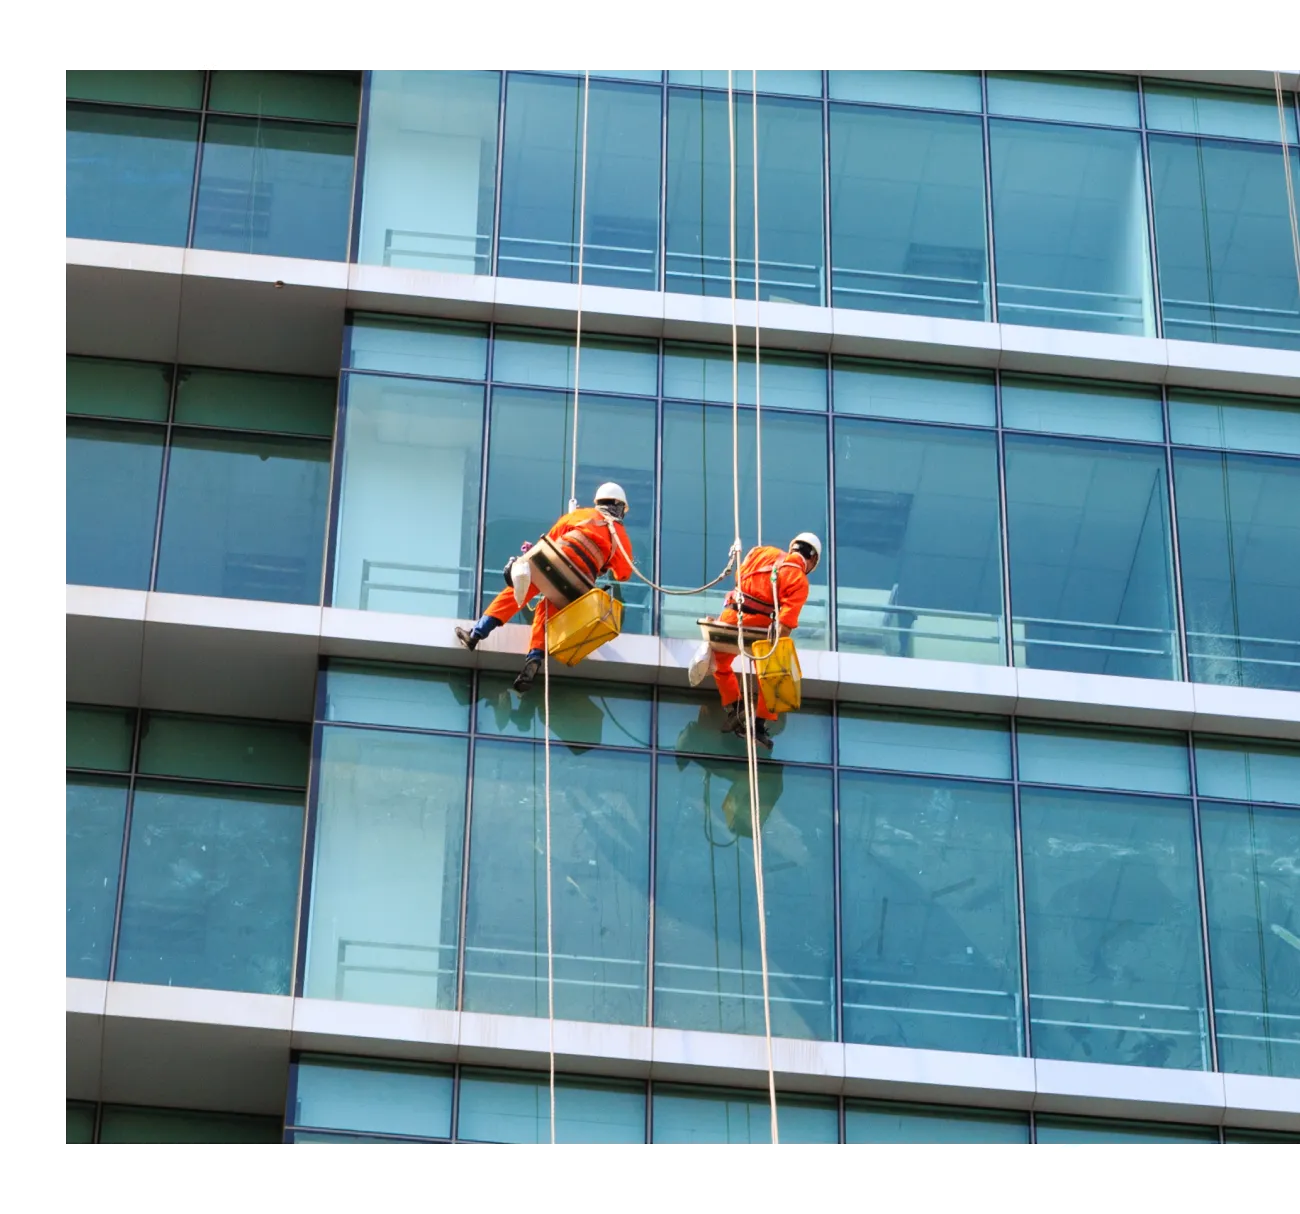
(1126, 1016)
(974, 292)
(473, 250)
(463, 574)
(714, 268)
(1002, 1007)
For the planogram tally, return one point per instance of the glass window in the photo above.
(1248, 771)
(430, 171)
(1231, 1135)
(583, 712)
(130, 174)
(211, 892)
(413, 697)
(1252, 901)
(105, 387)
(889, 1123)
(1201, 109)
(1109, 101)
(541, 182)
(909, 393)
(801, 84)
(692, 724)
(1114, 937)
(1223, 239)
(528, 477)
(600, 871)
(1237, 423)
(241, 400)
(113, 472)
(99, 738)
(387, 1098)
(699, 372)
(926, 90)
(715, 1115)
(698, 522)
(918, 552)
(1103, 758)
(122, 1124)
(282, 189)
(219, 748)
(324, 96)
(417, 347)
(96, 814)
(1091, 561)
(244, 517)
(931, 937)
(506, 1106)
(409, 494)
(1087, 1129)
(183, 90)
(386, 876)
(708, 968)
(1239, 539)
(81, 1118)
(698, 236)
(1091, 410)
(1070, 228)
(907, 213)
(546, 360)
(925, 742)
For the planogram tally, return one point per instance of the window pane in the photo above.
(600, 865)
(221, 748)
(412, 454)
(801, 84)
(1202, 109)
(915, 741)
(698, 522)
(541, 182)
(1248, 771)
(104, 387)
(1103, 758)
(385, 885)
(430, 171)
(180, 89)
(418, 698)
(1086, 1129)
(918, 546)
(416, 347)
(81, 1118)
(96, 812)
(1110, 102)
(528, 477)
(504, 1106)
(583, 712)
(1092, 410)
(112, 503)
(130, 174)
(699, 372)
(546, 360)
(692, 724)
(1255, 1136)
(1070, 229)
(698, 257)
(325, 96)
(928, 90)
(241, 400)
(1223, 237)
(244, 517)
(1237, 423)
(907, 213)
(923, 1123)
(708, 968)
(931, 936)
(121, 1124)
(1239, 540)
(99, 738)
(1091, 562)
(386, 1098)
(880, 389)
(713, 1115)
(1252, 900)
(211, 888)
(1113, 925)
(283, 189)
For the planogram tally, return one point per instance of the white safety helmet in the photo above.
(611, 498)
(809, 547)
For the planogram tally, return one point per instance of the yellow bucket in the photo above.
(578, 630)
(779, 676)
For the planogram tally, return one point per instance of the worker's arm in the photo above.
(620, 566)
(792, 586)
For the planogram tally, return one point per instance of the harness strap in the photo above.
(578, 545)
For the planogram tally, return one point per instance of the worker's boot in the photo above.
(470, 637)
(734, 722)
(532, 664)
(761, 736)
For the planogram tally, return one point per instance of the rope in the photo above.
(613, 531)
(758, 328)
(1286, 168)
(577, 346)
(550, 943)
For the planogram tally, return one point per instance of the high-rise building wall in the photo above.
(1025, 354)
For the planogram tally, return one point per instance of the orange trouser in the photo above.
(504, 607)
(723, 675)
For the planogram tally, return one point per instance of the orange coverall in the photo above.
(756, 587)
(583, 536)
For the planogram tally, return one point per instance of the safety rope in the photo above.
(577, 345)
(550, 943)
(1286, 168)
(758, 328)
(613, 531)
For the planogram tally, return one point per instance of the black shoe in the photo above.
(761, 736)
(734, 722)
(524, 679)
(466, 637)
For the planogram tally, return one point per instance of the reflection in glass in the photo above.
(511, 1106)
(898, 740)
(420, 697)
(929, 1123)
(386, 1098)
(1241, 770)
(96, 813)
(583, 712)
(716, 1115)
(1101, 757)
(691, 722)
(1089, 1129)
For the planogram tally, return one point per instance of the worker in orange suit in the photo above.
(755, 600)
(588, 538)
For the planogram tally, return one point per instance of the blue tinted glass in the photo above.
(704, 1115)
(541, 182)
(130, 174)
(411, 697)
(927, 90)
(380, 1099)
(944, 746)
(1086, 409)
(112, 503)
(211, 888)
(244, 517)
(698, 235)
(546, 360)
(283, 189)
(503, 1106)
(96, 812)
(1088, 1129)
(1060, 266)
(789, 381)
(1248, 771)
(708, 970)
(1109, 102)
(692, 724)
(583, 712)
(414, 347)
(924, 1123)
(105, 387)
(800, 84)
(99, 738)
(914, 393)
(1235, 423)
(224, 748)
(1201, 109)
(1100, 758)
(907, 213)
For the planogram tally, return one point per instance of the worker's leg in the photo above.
(500, 611)
(724, 667)
(536, 646)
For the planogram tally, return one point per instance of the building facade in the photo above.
(1028, 362)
